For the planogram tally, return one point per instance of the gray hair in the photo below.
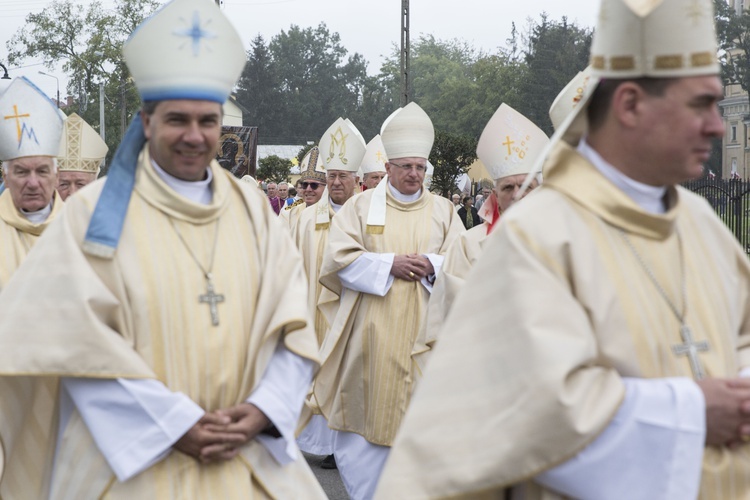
(7, 164)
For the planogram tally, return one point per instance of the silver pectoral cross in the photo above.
(691, 348)
(212, 299)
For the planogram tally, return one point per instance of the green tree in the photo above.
(274, 169)
(315, 80)
(556, 52)
(451, 156)
(87, 43)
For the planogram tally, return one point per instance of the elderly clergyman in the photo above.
(611, 367)
(30, 130)
(312, 183)
(384, 252)
(157, 344)
(82, 152)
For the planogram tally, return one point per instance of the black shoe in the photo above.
(328, 462)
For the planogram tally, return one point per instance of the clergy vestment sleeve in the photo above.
(280, 396)
(134, 422)
(653, 448)
(369, 273)
(437, 262)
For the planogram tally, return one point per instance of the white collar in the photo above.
(334, 206)
(195, 191)
(649, 198)
(39, 216)
(403, 198)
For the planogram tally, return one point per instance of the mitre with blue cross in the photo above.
(187, 49)
(30, 124)
(342, 147)
(510, 143)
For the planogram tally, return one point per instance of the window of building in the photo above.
(734, 133)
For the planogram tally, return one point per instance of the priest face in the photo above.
(31, 181)
(341, 185)
(183, 136)
(372, 179)
(507, 187)
(312, 191)
(71, 181)
(406, 174)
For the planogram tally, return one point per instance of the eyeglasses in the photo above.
(314, 185)
(409, 166)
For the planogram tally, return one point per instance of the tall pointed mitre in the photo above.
(81, 147)
(30, 124)
(375, 157)
(510, 144)
(187, 49)
(311, 167)
(342, 147)
(643, 38)
(571, 96)
(408, 133)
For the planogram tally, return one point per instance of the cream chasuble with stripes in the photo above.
(139, 316)
(18, 234)
(366, 378)
(565, 310)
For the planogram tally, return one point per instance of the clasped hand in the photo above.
(727, 410)
(411, 267)
(219, 434)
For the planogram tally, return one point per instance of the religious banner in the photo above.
(238, 150)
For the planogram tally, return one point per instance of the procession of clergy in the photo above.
(164, 334)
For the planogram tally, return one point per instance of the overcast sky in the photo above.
(367, 27)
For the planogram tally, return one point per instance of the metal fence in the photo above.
(730, 200)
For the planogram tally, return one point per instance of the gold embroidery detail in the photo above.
(702, 59)
(622, 63)
(597, 62)
(668, 62)
(375, 229)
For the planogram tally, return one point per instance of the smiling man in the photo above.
(312, 183)
(30, 131)
(175, 348)
(385, 249)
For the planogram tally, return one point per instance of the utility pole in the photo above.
(404, 52)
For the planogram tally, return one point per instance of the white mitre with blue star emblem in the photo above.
(29, 122)
(188, 49)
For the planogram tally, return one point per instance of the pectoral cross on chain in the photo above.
(691, 348)
(212, 299)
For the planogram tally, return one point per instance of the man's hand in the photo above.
(210, 433)
(245, 420)
(727, 410)
(411, 267)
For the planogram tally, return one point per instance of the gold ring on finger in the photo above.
(411, 274)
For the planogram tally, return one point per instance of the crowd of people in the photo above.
(579, 329)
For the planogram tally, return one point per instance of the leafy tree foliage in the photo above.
(733, 32)
(274, 169)
(87, 43)
(451, 156)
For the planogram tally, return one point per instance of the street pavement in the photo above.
(328, 479)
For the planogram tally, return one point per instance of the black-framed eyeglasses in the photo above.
(314, 185)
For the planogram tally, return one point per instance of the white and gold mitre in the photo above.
(375, 158)
(81, 147)
(510, 143)
(408, 133)
(571, 96)
(342, 146)
(187, 49)
(30, 124)
(654, 38)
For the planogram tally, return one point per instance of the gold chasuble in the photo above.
(290, 215)
(18, 234)
(139, 316)
(542, 378)
(459, 260)
(367, 373)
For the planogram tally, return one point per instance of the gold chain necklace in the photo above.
(210, 297)
(689, 347)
